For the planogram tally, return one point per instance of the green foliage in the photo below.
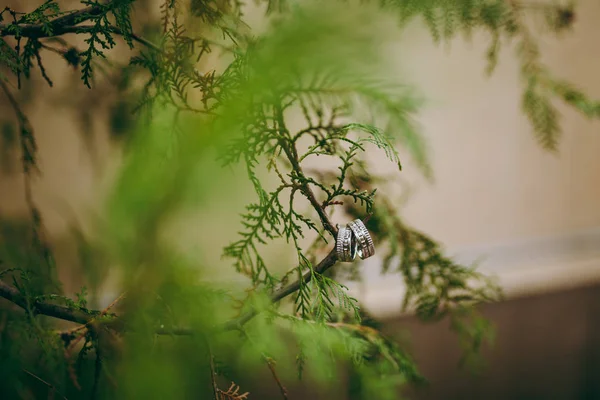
(101, 36)
(316, 84)
(473, 331)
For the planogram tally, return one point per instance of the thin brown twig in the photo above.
(114, 303)
(70, 332)
(50, 386)
(271, 365)
(213, 373)
(42, 68)
(233, 393)
(60, 52)
(290, 151)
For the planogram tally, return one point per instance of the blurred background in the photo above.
(527, 216)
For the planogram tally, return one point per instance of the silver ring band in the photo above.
(366, 248)
(345, 244)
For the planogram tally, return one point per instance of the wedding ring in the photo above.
(345, 244)
(365, 244)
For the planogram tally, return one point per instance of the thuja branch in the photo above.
(292, 156)
(40, 30)
(282, 293)
(88, 29)
(84, 316)
(79, 316)
(67, 24)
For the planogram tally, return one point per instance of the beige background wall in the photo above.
(531, 215)
(493, 181)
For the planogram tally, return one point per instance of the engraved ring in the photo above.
(365, 243)
(345, 244)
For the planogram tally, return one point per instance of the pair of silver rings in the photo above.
(354, 239)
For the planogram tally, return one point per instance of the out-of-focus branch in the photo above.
(39, 30)
(271, 364)
(51, 387)
(67, 24)
(44, 308)
(83, 29)
(79, 316)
